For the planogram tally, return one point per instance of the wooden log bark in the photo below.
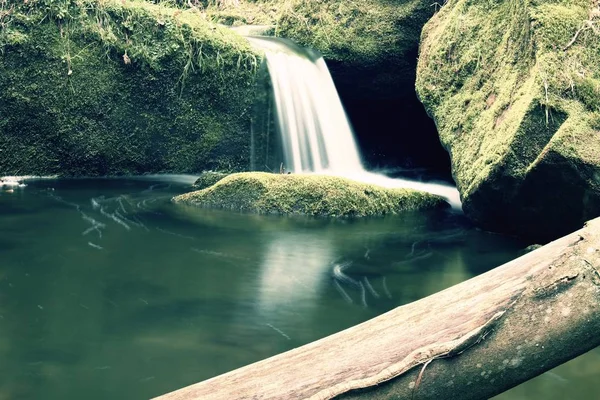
(471, 341)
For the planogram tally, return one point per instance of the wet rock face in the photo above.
(514, 89)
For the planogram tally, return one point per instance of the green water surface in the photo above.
(109, 291)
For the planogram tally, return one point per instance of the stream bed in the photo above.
(110, 291)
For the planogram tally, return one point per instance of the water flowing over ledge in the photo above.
(315, 132)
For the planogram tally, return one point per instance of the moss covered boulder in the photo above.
(514, 89)
(317, 195)
(370, 45)
(108, 87)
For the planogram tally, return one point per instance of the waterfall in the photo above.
(315, 131)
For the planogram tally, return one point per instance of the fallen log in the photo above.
(471, 341)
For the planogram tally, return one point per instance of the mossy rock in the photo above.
(111, 87)
(514, 93)
(370, 45)
(208, 179)
(316, 195)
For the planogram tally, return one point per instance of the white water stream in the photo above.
(315, 132)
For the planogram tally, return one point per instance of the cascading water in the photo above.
(315, 132)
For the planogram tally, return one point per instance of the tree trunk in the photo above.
(471, 341)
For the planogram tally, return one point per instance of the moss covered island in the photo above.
(317, 195)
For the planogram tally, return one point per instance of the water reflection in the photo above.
(293, 273)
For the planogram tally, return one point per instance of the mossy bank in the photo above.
(370, 45)
(110, 87)
(514, 89)
(316, 195)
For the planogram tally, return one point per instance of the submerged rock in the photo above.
(317, 195)
(514, 89)
(531, 248)
(109, 87)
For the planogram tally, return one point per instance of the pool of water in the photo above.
(108, 290)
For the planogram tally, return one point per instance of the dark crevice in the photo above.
(391, 125)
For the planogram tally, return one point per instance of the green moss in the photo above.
(588, 91)
(486, 71)
(514, 91)
(267, 193)
(105, 87)
(595, 121)
(347, 30)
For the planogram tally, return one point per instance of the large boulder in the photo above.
(316, 195)
(514, 89)
(109, 87)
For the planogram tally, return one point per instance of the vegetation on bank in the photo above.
(514, 89)
(107, 87)
(346, 31)
(317, 195)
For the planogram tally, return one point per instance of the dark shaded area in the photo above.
(391, 126)
(542, 215)
(396, 133)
